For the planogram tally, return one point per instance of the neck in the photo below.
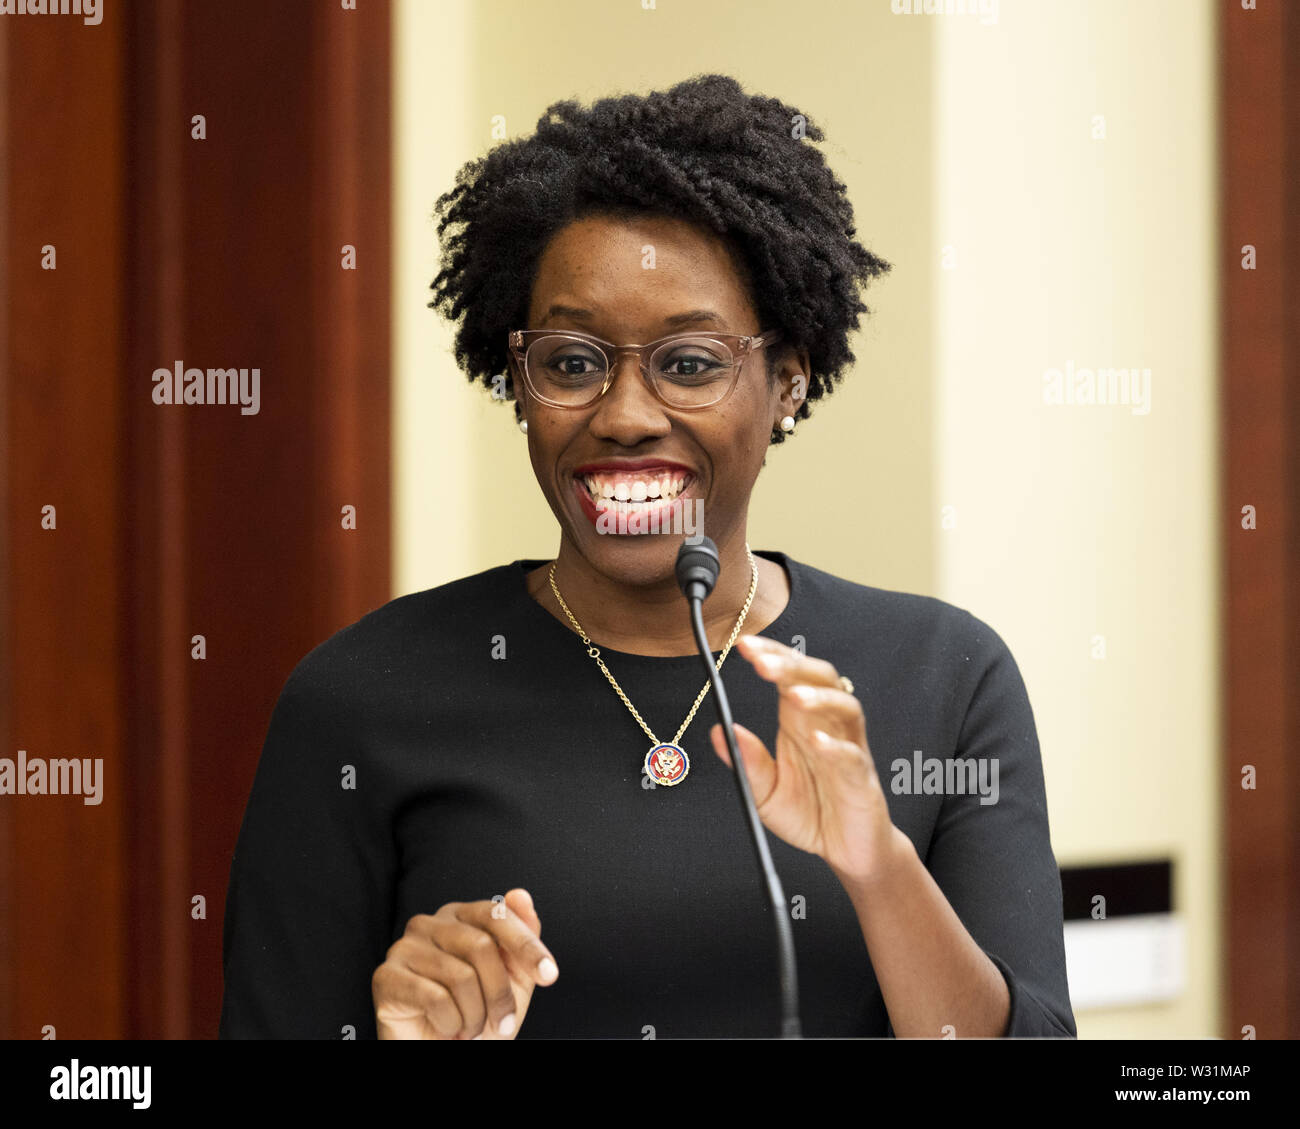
(647, 614)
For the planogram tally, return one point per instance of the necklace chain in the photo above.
(594, 651)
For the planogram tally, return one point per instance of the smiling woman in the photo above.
(632, 430)
(512, 731)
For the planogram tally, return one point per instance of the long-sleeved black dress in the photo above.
(459, 742)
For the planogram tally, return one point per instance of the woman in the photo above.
(465, 762)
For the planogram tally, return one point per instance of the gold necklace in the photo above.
(666, 763)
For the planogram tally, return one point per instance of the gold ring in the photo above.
(846, 685)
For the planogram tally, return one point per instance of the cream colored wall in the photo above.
(1074, 521)
(1069, 522)
(459, 65)
(437, 417)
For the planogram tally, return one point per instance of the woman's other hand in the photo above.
(465, 972)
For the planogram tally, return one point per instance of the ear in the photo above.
(516, 385)
(792, 385)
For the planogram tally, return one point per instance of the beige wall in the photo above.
(457, 69)
(1074, 520)
(1070, 521)
(438, 419)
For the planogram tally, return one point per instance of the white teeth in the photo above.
(634, 490)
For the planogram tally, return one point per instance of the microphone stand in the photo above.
(696, 590)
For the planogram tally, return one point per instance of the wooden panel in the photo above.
(8, 869)
(1260, 167)
(155, 620)
(1290, 606)
(63, 167)
(177, 521)
(254, 554)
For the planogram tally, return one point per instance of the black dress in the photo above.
(485, 750)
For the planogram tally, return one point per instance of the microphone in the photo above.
(697, 568)
(697, 573)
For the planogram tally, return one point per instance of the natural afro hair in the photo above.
(703, 151)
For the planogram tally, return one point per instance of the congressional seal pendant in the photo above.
(667, 764)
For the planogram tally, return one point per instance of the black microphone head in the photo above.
(698, 564)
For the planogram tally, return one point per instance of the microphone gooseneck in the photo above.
(697, 573)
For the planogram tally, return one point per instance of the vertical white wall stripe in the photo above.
(433, 504)
(1082, 520)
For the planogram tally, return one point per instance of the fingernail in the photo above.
(547, 970)
(771, 663)
(506, 1026)
(804, 694)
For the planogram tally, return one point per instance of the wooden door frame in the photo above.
(1260, 419)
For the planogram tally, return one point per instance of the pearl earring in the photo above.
(787, 424)
(523, 426)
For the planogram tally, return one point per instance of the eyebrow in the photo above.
(579, 314)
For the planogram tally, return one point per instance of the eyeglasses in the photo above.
(686, 372)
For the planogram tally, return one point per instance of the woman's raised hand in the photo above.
(820, 791)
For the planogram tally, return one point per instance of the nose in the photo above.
(629, 412)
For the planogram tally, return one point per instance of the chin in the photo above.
(639, 559)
